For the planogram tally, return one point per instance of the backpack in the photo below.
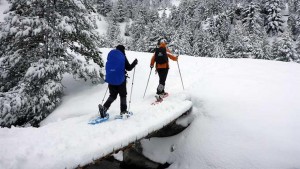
(115, 67)
(161, 56)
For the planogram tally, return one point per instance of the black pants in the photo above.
(162, 73)
(114, 90)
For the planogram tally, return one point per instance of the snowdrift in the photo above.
(62, 144)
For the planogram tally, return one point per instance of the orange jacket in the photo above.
(164, 65)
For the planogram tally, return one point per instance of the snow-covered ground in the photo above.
(246, 116)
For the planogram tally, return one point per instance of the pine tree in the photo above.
(186, 41)
(298, 49)
(286, 51)
(174, 18)
(273, 19)
(154, 32)
(103, 6)
(294, 17)
(137, 30)
(153, 15)
(122, 12)
(219, 50)
(252, 19)
(214, 7)
(113, 34)
(220, 27)
(39, 42)
(238, 44)
(113, 15)
(266, 49)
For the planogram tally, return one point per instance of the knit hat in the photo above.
(121, 48)
(160, 41)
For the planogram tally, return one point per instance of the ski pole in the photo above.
(131, 89)
(104, 95)
(180, 74)
(147, 82)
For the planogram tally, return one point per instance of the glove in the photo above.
(151, 66)
(135, 62)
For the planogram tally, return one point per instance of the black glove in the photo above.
(135, 62)
(151, 66)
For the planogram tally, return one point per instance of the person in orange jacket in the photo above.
(160, 57)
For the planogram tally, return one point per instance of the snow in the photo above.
(122, 30)
(101, 24)
(245, 115)
(65, 140)
(167, 11)
(175, 2)
(3, 7)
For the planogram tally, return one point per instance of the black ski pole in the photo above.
(131, 89)
(147, 82)
(180, 74)
(103, 99)
(104, 95)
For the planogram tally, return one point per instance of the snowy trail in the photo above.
(73, 142)
(246, 116)
(65, 140)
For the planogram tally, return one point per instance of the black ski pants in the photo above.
(162, 73)
(114, 90)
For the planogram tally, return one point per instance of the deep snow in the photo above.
(246, 116)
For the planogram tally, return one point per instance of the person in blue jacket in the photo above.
(116, 67)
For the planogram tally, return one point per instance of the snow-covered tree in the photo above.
(154, 32)
(113, 34)
(174, 18)
(103, 6)
(39, 42)
(238, 44)
(153, 15)
(266, 49)
(252, 19)
(214, 7)
(113, 15)
(122, 12)
(274, 20)
(294, 17)
(286, 51)
(219, 50)
(298, 45)
(219, 27)
(137, 30)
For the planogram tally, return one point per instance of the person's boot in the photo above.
(102, 111)
(125, 114)
(164, 94)
(158, 97)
